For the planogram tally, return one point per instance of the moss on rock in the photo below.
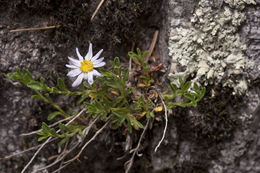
(118, 22)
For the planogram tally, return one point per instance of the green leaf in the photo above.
(118, 102)
(41, 133)
(174, 86)
(53, 132)
(196, 88)
(186, 86)
(133, 56)
(116, 64)
(53, 115)
(189, 96)
(27, 73)
(138, 51)
(53, 90)
(194, 104)
(83, 97)
(42, 80)
(35, 86)
(119, 113)
(63, 128)
(151, 114)
(145, 53)
(63, 141)
(61, 85)
(45, 128)
(129, 125)
(135, 122)
(48, 131)
(180, 92)
(36, 96)
(42, 138)
(47, 95)
(126, 74)
(113, 84)
(203, 91)
(14, 76)
(117, 61)
(117, 122)
(86, 84)
(181, 82)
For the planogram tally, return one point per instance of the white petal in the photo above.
(79, 56)
(99, 65)
(96, 73)
(74, 72)
(97, 55)
(89, 54)
(78, 81)
(85, 76)
(74, 61)
(90, 78)
(98, 60)
(71, 66)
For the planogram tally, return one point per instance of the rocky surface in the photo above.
(45, 52)
(210, 49)
(220, 136)
(233, 149)
(19, 50)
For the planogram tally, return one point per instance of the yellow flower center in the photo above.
(86, 66)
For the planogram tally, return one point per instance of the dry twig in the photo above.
(60, 168)
(129, 163)
(130, 76)
(76, 116)
(86, 130)
(152, 45)
(24, 151)
(35, 29)
(61, 163)
(86, 144)
(60, 157)
(52, 125)
(36, 153)
(98, 7)
(166, 121)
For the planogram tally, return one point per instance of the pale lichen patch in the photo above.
(210, 50)
(239, 4)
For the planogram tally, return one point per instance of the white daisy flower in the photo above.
(84, 67)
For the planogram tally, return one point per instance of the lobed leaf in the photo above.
(53, 115)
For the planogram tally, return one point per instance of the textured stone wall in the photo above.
(45, 52)
(241, 153)
(19, 113)
(237, 149)
(220, 136)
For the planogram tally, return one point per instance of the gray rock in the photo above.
(237, 153)
(220, 136)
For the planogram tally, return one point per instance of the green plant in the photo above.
(110, 98)
(191, 95)
(140, 59)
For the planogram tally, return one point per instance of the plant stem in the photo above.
(63, 113)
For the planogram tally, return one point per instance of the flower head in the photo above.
(84, 67)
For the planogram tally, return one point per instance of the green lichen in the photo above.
(210, 50)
